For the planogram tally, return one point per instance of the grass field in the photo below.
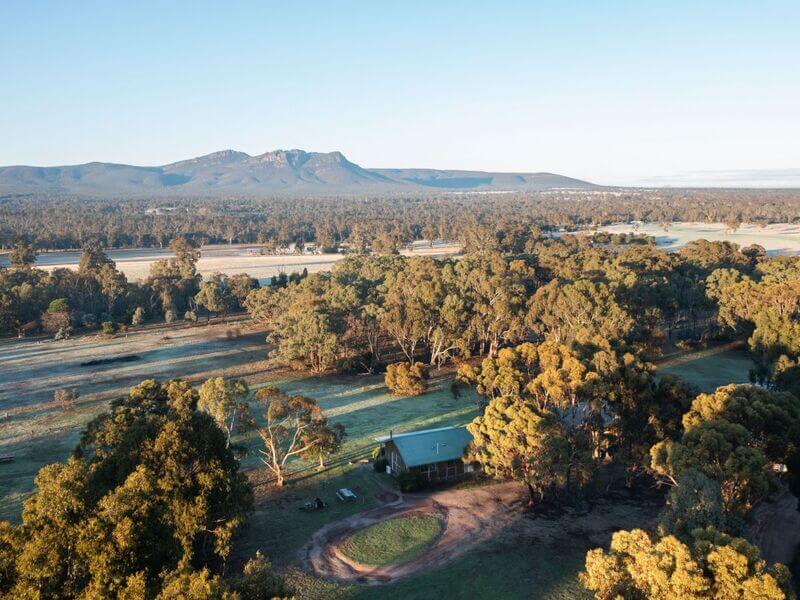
(512, 568)
(37, 432)
(519, 564)
(135, 263)
(392, 542)
(367, 410)
(709, 369)
(777, 238)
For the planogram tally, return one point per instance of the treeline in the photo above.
(51, 223)
(581, 392)
(567, 331)
(97, 292)
(570, 289)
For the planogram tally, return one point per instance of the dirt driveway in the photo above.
(470, 516)
(473, 516)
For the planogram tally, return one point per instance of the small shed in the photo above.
(433, 453)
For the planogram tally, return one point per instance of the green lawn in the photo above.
(366, 409)
(16, 478)
(513, 568)
(392, 542)
(709, 369)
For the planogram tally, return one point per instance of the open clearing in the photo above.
(711, 368)
(778, 238)
(485, 529)
(489, 547)
(238, 258)
(37, 432)
(392, 542)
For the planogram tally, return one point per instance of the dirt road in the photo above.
(470, 517)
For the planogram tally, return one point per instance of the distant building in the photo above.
(161, 210)
(434, 453)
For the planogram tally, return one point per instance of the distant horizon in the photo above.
(616, 94)
(710, 179)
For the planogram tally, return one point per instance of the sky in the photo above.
(614, 92)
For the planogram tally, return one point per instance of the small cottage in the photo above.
(433, 453)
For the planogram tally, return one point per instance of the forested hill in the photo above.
(278, 172)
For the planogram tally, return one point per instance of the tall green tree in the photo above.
(288, 429)
(771, 418)
(512, 439)
(152, 489)
(22, 256)
(722, 451)
(225, 400)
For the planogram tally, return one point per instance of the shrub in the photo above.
(380, 465)
(65, 399)
(55, 321)
(109, 328)
(138, 316)
(59, 305)
(411, 481)
(259, 580)
(687, 345)
(190, 315)
(406, 379)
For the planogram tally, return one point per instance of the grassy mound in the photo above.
(391, 542)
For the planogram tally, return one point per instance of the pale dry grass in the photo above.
(260, 267)
(777, 238)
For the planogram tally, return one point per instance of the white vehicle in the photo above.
(346, 495)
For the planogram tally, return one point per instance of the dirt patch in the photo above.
(387, 497)
(474, 516)
(469, 516)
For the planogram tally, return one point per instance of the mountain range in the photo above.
(279, 172)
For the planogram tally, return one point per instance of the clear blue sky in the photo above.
(607, 91)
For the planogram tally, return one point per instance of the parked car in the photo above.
(346, 495)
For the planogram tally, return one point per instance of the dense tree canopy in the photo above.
(513, 439)
(478, 221)
(151, 494)
(713, 565)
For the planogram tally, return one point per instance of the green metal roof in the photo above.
(430, 445)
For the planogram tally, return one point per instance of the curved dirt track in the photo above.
(470, 516)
